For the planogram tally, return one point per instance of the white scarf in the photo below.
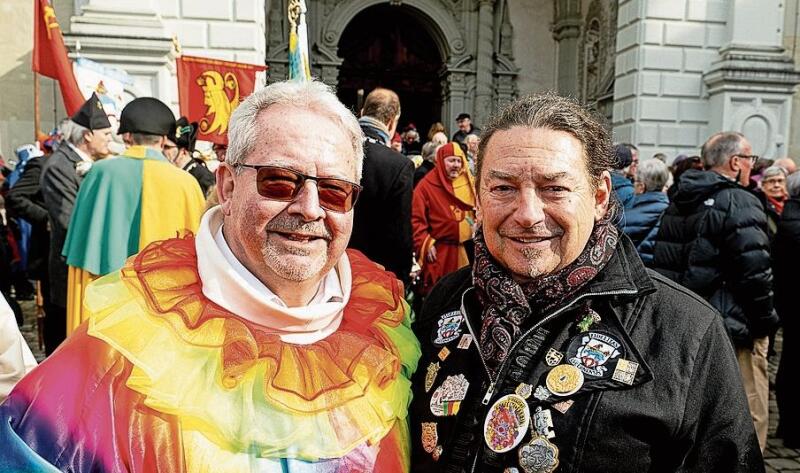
(228, 283)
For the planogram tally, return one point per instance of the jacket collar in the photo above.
(70, 153)
(624, 272)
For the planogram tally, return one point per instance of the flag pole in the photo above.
(36, 114)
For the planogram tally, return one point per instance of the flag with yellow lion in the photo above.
(209, 90)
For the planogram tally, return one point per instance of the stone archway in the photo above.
(436, 21)
(388, 46)
(476, 76)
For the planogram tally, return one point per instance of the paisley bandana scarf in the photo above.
(507, 304)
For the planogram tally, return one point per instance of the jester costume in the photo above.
(442, 214)
(125, 203)
(162, 379)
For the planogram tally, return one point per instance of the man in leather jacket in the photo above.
(558, 350)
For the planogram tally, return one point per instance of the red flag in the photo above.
(50, 55)
(209, 90)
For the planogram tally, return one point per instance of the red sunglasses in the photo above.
(282, 184)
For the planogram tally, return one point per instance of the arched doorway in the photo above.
(390, 46)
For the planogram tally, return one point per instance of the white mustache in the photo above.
(286, 224)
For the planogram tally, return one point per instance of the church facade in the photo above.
(666, 73)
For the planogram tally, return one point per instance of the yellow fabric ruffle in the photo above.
(244, 390)
(77, 281)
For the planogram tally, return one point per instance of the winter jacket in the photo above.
(623, 188)
(382, 215)
(25, 200)
(785, 262)
(641, 222)
(713, 240)
(664, 395)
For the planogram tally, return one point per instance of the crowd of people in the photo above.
(522, 297)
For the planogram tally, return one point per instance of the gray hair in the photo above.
(73, 132)
(793, 185)
(243, 130)
(557, 113)
(429, 151)
(471, 136)
(719, 148)
(653, 174)
(773, 171)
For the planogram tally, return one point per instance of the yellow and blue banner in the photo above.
(299, 62)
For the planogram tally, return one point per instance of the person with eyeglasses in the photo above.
(259, 344)
(713, 240)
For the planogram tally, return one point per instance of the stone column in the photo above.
(751, 84)
(566, 32)
(484, 62)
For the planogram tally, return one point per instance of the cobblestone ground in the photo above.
(778, 459)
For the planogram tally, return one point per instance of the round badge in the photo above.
(564, 380)
(507, 423)
(538, 456)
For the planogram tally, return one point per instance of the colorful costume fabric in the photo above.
(442, 214)
(161, 379)
(124, 204)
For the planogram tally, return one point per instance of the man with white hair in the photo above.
(86, 138)
(258, 345)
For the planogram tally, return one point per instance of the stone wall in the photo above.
(16, 93)
(663, 49)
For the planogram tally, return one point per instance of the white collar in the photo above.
(84, 157)
(228, 283)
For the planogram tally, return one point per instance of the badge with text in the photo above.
(625, 372)
(449, 328)
(465, 342)
(446, 399)
(507, 423)
(564, 380)
(591, 351)
(430, 436)
(430, 376)
(443, 353)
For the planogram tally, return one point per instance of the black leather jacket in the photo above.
(683, 409)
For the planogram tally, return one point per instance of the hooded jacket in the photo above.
(713, 240)
(682, 408)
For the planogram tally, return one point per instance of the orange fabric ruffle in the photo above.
(303, 378)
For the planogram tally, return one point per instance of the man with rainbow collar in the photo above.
(258, 345)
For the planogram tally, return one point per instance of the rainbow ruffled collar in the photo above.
(233, 386)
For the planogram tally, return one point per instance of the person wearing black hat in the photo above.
(128, 202)
(179, 150)
(465, 128)
(86, 137)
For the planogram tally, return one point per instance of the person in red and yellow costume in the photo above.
(260, 344)
(442, 216)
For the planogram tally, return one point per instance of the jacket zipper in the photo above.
(493, 382)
